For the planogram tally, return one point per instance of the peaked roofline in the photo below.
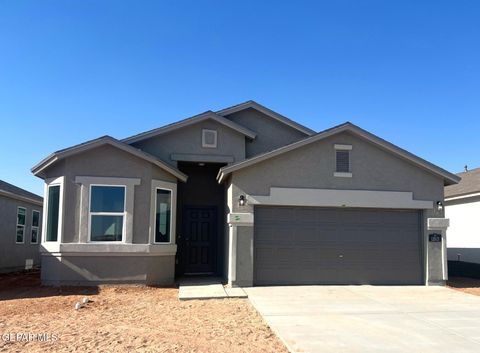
(105, 140)
(15, 192)
(21, 198)
(449, 178)
(254, 105)
(189, 121)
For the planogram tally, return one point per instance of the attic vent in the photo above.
(343, 161)
(209, 138)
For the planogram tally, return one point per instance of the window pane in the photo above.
(343, 161)
(21, 216)
(35, 218)
(52, 215)
(34, 238)
(107, 199)
(162, 219)
(106, 228)
(20, 230)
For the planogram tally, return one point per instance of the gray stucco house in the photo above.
(20, 228)
(247, 194)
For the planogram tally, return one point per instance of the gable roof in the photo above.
(105, 140)
(448, 177)
(208, 115)
(470, 184)
(268, 112)
(12, 191)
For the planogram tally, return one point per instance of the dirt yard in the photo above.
(125, 318)
(464, 284)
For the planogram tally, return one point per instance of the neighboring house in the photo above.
(20, 228)
(462, 206)
(247, 194)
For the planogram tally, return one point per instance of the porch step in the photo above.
(207, 288)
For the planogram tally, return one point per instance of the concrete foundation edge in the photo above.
(95, 270)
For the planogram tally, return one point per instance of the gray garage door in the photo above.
(302, 245)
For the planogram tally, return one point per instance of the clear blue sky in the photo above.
(71, 71)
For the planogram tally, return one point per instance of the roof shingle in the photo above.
(469, 184)
(12, 189)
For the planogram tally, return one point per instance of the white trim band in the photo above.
(339, 198)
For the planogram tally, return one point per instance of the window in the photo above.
(163, 216)
(163, 206)
(21, 216)
(209, 138)
(35, 227)
(107, 212)
(53, 209)
(342, 161)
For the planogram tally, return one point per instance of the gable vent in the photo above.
(343, 161)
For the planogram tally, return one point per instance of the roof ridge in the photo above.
(209, 114)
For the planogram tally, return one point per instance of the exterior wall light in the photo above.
(439, 205)
(241, 200)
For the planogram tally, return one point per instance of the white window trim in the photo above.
(90, 214)
(338, 146)
(84, 224)
(172, 187)
(21, 225)
(60, 181)
(37, 228)
(342, 174)
(348, 148)
(209, 145)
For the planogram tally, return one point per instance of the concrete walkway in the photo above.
(207, 288)
(357, 319)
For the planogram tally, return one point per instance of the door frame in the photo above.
(184, 257)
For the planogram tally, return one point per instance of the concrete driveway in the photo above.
(371, 319)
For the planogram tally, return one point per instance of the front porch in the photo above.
(201, 223)
(207, 288)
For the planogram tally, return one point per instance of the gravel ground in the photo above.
(125, 318)
(464, 284)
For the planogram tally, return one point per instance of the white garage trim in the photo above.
(339, 198)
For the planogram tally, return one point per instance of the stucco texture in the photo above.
(188, 140)
(271, 133)
(313, 166)
(107, 161)
(12, 255)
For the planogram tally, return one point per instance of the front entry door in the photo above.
(200, 231)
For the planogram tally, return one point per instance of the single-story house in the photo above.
(20, 228)
(247, 194)
(462, 207)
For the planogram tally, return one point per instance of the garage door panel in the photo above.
(337, 246)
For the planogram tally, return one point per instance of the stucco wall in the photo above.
(188, 140)
(107, 161)
(313, 166)
(92, 270)
(12, 255)
(463, 239)
(271, 133)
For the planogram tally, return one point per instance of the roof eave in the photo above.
(39, 168)
(21, 198)
(190, 121)
(449, 178)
